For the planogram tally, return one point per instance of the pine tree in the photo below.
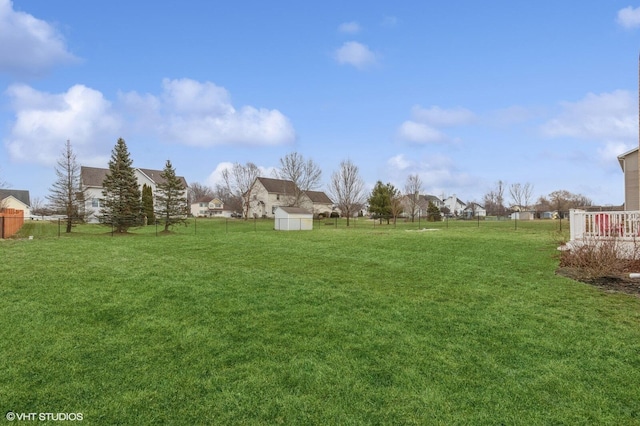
(66, 195)
(171, 198)
(380, 201)
(123, 207)
(433, 213)
(147, 204)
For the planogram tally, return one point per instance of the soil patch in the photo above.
(618, 283)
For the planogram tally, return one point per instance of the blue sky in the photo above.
(464, 93)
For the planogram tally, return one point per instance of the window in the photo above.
(97, 202)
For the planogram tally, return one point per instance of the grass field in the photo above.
(231, 322)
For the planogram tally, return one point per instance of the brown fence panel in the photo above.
(12, 221)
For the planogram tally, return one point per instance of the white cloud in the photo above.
(27, 44)
(355, 54)
(201, 114)
(412, 131)
(349, 27)
(629, 17)
(215, 178)
(437, 116)
(45, 121)
(438, 173)
(399, 162)
(608, 119)
(425, 123)
(604, 117)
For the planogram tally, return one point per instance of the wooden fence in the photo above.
(11, 220)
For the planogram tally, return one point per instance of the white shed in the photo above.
(293, 219)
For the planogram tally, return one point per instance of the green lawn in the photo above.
(231, 322)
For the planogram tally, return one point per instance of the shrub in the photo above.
(597, 258)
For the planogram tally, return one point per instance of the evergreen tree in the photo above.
(147, 204)
(380, 201)
(433, 213)
(171, 197)
(123, 207)
(66, 195)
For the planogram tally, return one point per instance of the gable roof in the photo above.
(295, 210)
(205, 199)
(277, 186)
(154, 175)
(21, 195)
(622, 156)
(318, 197)
(471, 206)
(94, 176)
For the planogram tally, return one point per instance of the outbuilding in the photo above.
(293, 219)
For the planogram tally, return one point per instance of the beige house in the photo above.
(16, 199)
(317, 202)
(91, 179)
(629, 163)
(209, 207)
(267, 194)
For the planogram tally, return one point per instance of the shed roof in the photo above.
(295, 210)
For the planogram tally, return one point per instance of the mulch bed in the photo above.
(618, 283)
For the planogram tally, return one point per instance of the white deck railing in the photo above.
(604, 225)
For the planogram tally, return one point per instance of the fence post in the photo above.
(156, 227)
(195, 226)
(58, 227)
(478, 221)
(2, 227)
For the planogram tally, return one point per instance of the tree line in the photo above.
(124, 204)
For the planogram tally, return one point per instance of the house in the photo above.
(474, 210)
(421, 204)
(17, 199)
(629, 164)
(267, 194)
(455, 205)
(209, 207)
(317, 202)
(91, 179)
(293, 219)
(523, 215)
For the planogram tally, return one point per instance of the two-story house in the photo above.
(91, 179)
(209, 207)
(267, 194)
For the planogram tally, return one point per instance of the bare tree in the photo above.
(305, 175)
(347, 189)
(395, 202)
(521, 194)
(38, 207)
(494, 200)
(198, 190)
(562, 201)
(221, 192)
(66, 195)
(239, 182)
(413, 188)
